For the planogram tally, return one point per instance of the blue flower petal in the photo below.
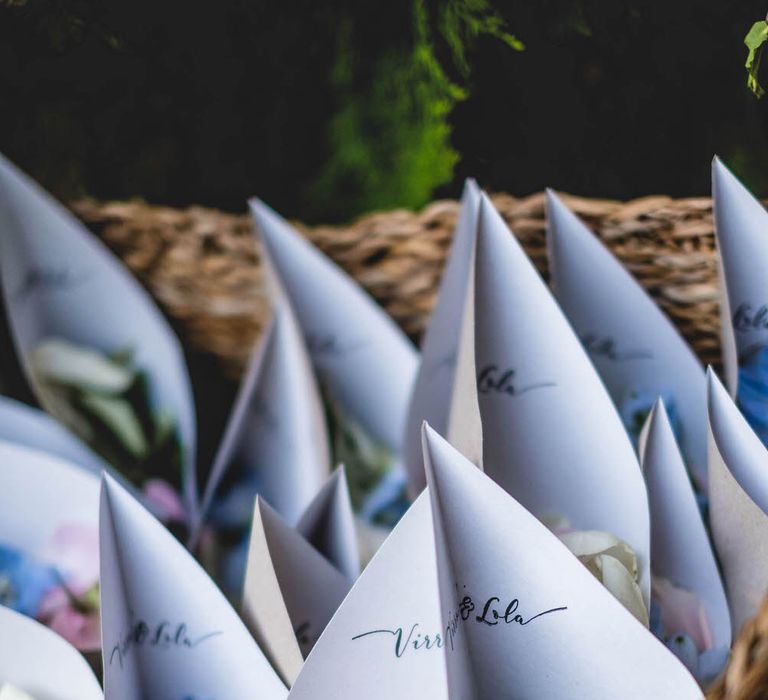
(753, 392)
(636, 406)
(388, 501)
(24, 581)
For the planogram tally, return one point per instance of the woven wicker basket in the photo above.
(202, 266)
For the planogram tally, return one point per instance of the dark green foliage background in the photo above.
(327, 109)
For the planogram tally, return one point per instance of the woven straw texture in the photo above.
(203, 268)
(202, 265)
(746, 677)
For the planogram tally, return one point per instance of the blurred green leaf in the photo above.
(389, 142)
(463, 21)
(755, 42)
(366, 461)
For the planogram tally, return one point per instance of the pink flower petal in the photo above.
(74, 550)
(682, 613)
(79, 629)
(164, 501)
(82, 631)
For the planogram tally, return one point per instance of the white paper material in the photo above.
(551, 435)
(375, 646)
(681, 550)
(277, 427)
(167, 630)
(632, 344)
(328, 524)
(535, 622)
(432, 390)
(738, 503)
(33, 428)
(42, 664)
(291, 592)
(367, 361)
(40, 494)
(465, 424)
(741, 227)
(58, 281)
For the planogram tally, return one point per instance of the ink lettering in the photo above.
(46, 278)
(745, 319)
(492, 379)
(164, 635)
(413, 640)
(491, 616)
(328, 345)
(607, 347)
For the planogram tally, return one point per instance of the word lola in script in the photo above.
(163, 635)
(491, 379)
(410, 638)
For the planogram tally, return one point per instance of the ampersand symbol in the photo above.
(466, 607)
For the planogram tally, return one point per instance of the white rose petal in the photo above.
(622, 585)
(586, 544)
(613, 562)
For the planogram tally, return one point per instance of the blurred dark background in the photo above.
(330, 108)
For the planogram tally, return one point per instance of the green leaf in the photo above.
(755, 42)
(389, 142)
(366, 460)
(464, 21)
(119, 416)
